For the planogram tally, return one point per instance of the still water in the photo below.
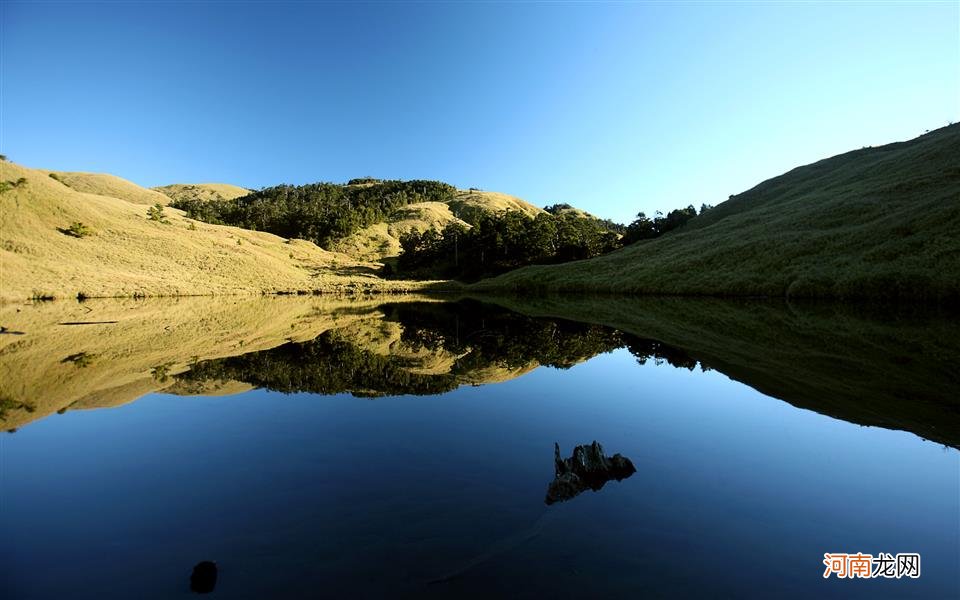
(405, 449)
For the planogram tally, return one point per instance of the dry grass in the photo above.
(102, 184)
(129, 255)
(577, 212)
(466, 205)
(876, 222)
(202, 191)
(382, 240)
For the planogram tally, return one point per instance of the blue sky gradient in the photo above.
(612, 107)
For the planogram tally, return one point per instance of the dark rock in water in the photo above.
(588, 468)
(204, 577)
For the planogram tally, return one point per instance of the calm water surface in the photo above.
(316, 491)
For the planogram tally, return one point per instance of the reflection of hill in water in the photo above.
(415, 349)
(152, 343)
(886, 367)
(893, 371)
(53, 367)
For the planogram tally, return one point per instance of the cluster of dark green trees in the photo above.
(556, 209)
(328, 364)
(499, 242)
(485, 335)
(319, 212)
(645, 228)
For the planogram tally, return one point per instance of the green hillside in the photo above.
(875, 222)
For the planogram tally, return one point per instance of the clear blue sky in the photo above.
(613, 107)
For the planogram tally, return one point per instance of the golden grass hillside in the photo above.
(576, 212)
(202, 191)
(382, 240)
(875, 222)
(123, 253)
(469, 204)
(103, 184)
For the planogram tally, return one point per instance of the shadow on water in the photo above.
(893, 369)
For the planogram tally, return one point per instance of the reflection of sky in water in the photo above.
(735, 493)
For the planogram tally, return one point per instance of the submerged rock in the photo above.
(204, 577)
(587, 468)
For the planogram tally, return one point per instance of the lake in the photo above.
(316, 446)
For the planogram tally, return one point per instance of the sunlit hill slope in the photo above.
(118, 251)
(202, 191)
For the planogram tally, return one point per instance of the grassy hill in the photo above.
(466, 205)
(103, 184)
(382, 240)
(202, 191)
(364, 218)
(125, 254)
(875, 222)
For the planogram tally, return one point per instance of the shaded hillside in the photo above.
(202, 191)
(875, 222)
(62, 243)
(499, 242)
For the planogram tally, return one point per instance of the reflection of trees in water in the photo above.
(327, 364)
(8, 404)
(481, 336)
(661, 353)
(497, 337)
